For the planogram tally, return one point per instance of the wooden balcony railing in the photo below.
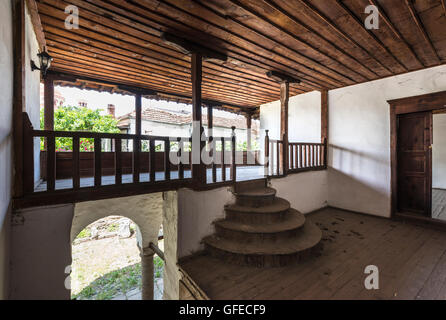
(99, 157)
(306, 156)
(299, 156)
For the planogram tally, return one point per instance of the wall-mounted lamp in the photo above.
(45, 62)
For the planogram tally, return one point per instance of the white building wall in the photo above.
(439, 152)
(359, 124)
(304, 118)
(6, 96)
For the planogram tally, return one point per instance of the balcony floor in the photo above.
(243, 173)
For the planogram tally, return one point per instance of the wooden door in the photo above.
(415, 163)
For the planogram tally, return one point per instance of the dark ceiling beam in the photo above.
(340, 32)
(188, 47)
(314, 61)
(395, 31)
(309, 29)
(421, 29)
(371, 34)
(253, 62)
(281, 77)
(315, 81)
(37, 24)
(132, 90)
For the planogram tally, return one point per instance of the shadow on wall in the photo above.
(358, 181)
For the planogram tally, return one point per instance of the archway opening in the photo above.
(106, 262)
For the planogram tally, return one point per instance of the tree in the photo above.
(70, 118)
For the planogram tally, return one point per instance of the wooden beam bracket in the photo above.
(188, 47)
(281, 77)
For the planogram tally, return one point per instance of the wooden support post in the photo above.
(97, 162)
(198, 167)
(250, 159)
(212, 142)
(324, 125)
(167, 159)
(48, 103)
(233, 162)
(137, 140)
(76, 162)
(18, 93)
(284, 98)
(51, 163)
(118, 161)
(28, 163)
(152, 160)
(266, 159)
(180, 163)
(138, 114)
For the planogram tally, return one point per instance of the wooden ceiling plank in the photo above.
(324, 47)
(395, 31)
(250, 92)
(37, 25)
(421, 29)
(343, 34)
(330, 43)
(98, 74)
(168, 83)
(156, 80)
(46, 16)
(371, 34)
(72, 45)
(167, 72)
(443, 4)
(214, 29)
(303, 43)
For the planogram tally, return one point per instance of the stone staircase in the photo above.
(262, 230)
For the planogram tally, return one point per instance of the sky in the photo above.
(124, 104)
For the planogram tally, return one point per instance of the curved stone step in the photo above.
(290, 226)
(266, 253)
(256, 197)
(271, 213)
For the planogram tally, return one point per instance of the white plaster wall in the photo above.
(6, 85)
(146, 211)
(304, 118)
(359, 124)
(32, 87)
(439, 152)
(41, 253)
(196, 212)
(171, 277)
(306, 191)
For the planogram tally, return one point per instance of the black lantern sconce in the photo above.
(45, 62)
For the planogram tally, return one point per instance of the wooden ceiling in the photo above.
(323, 43)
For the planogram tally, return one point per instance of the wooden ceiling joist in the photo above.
(189, 47)
(326, 45)
(377, 41)
(421, 28)
(395, 31)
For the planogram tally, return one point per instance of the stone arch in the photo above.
(146, 211)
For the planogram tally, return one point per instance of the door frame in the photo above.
(426, 102)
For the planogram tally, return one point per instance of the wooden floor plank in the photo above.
(411, 260)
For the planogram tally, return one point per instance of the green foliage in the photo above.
(118, 282)
(79, 119)
(85, 233)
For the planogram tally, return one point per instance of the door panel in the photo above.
(414, 163)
